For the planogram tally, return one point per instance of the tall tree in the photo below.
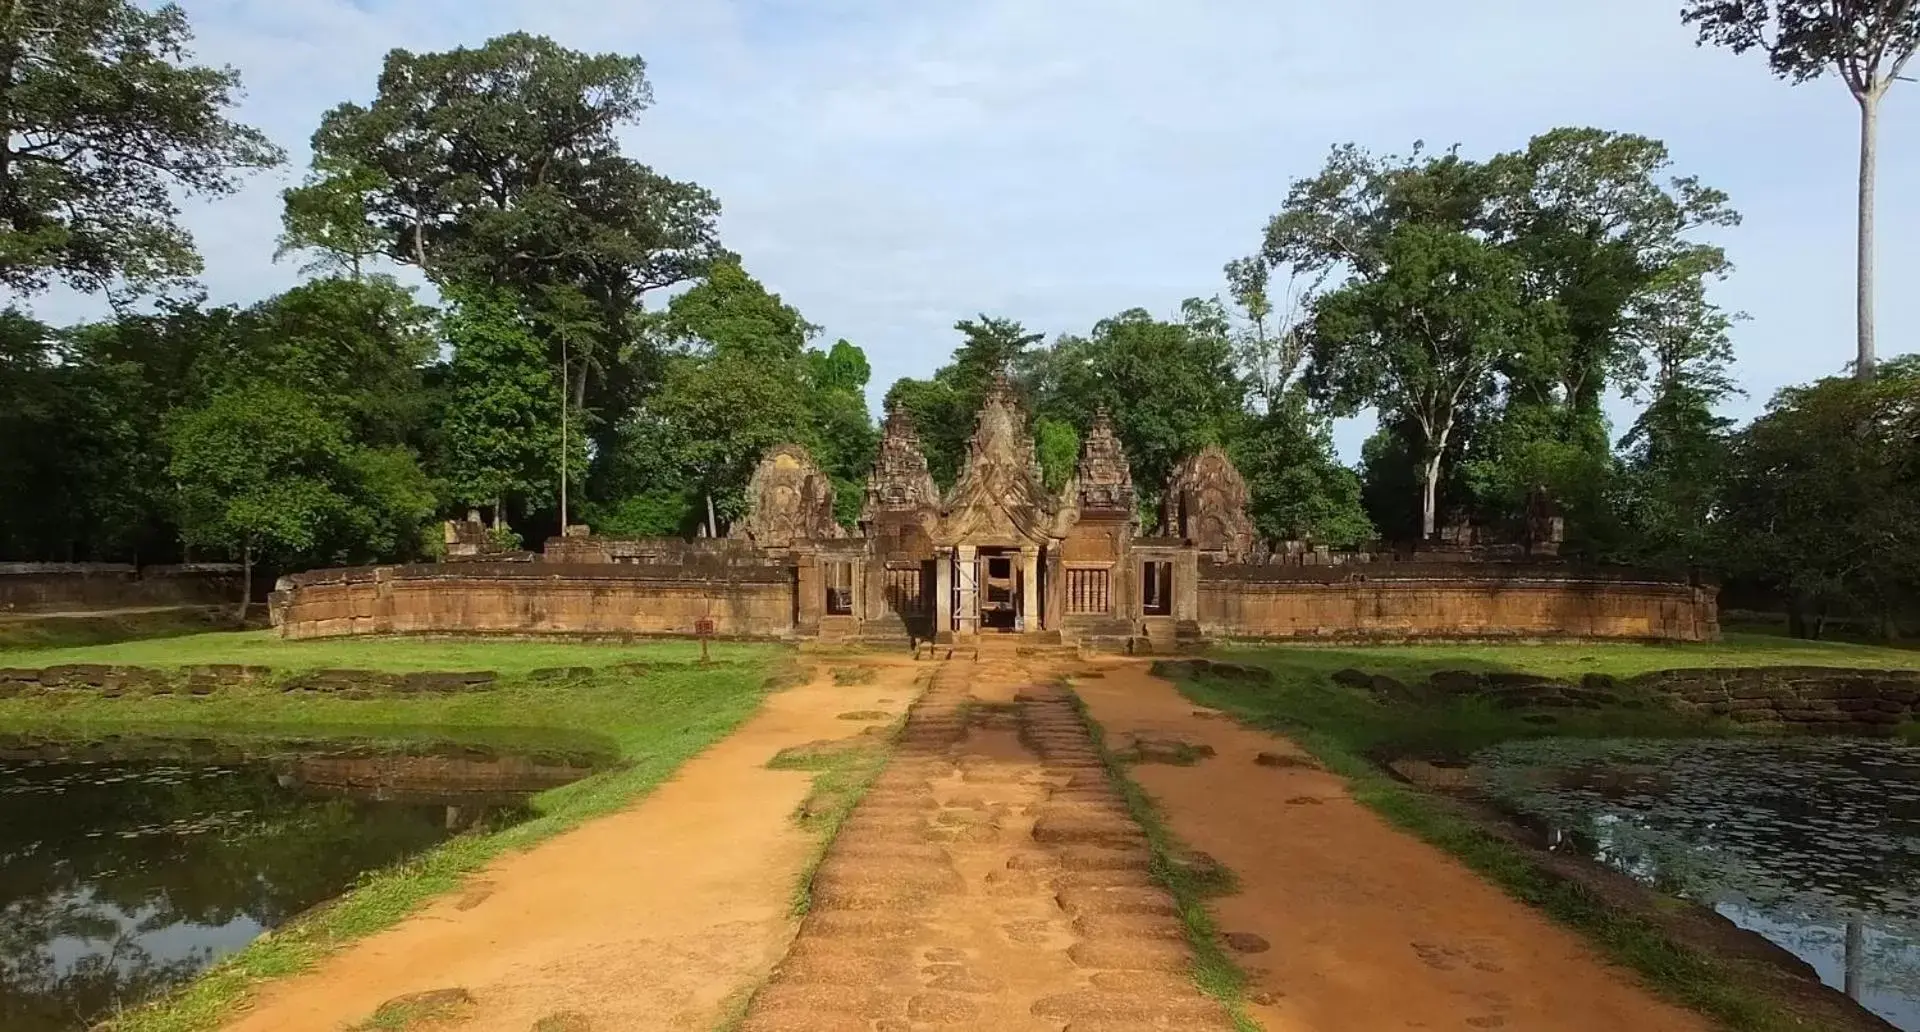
(499, 168)
(104, 123)
(1420, 339)
(1868, 43)
(503, 401)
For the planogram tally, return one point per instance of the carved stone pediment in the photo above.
(789, 499)
(999, 497)
(1206, 503)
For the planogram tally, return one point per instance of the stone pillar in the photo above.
(966, 565)
(811, 594)
(1186, 585)
(1030, 589)
(943, 591)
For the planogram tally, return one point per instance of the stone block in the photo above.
(76, 675)
(1351, 678)
(16, 675)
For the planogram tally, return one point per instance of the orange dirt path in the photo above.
(990, 880)
(647, 919)
(1369, 927)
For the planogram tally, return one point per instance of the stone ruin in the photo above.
(997, 553)
(1206, 503)
(789, 500)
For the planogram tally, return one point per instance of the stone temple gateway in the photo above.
(996, 554)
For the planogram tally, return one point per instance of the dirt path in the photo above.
(648, 919)
(1369, 927)
(990, 880)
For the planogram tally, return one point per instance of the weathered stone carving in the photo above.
(1206, 503)
(899, 482)
(466, 537)
(1103, 481)
(788, 500)
(1000, 495)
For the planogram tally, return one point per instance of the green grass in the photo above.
(1348, 731)
(842, 772)
(1303, 702)
(650, 722)
(410, 1011)
(266, 648)
(26, 631)
(1190, 880)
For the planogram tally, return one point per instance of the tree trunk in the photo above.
(1869, 144)
(713, 528)
(563, 435)
(246, 582)
(1855, 958)
(499, 509)
(1429, 498)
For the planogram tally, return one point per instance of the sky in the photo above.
(892, 166)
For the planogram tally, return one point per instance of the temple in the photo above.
(999, 553)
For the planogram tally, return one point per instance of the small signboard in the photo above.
(703, 629)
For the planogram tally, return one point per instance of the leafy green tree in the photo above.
(943, 407)
(262, 474)
(357, 348)
(1676, 452)
(537, 193)
(1299, 491)
(503, 406)
(1170, 387)
(1867, 43)
(1421, 338)
(105, 126)
(1823, 497)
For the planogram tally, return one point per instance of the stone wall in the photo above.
(1832, 700)
(1409, 600)
(56, 587)
(538, 598)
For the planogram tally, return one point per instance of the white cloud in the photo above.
(890, 167)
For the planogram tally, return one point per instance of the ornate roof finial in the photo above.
(1103, 477)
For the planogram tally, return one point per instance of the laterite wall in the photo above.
(1410, 601)
(535, 598)
(54, 587)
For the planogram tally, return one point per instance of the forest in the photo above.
(504, 312)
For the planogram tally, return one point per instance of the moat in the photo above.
(127, 869)
(1813, 843)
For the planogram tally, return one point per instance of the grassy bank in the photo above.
(265, 648)
(27, 630)
(1348, 731)
(1304, 702)
(650, 722)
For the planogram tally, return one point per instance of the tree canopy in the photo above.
(105, 125)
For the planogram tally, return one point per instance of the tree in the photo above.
(943, 407)
(1421, 338)
(502, 417)
(262, 473)
(1170, 387)
(1299, 492)
(104, 124)
(355, 347)
(1823, 497)
(1867, 42)
(499, 168)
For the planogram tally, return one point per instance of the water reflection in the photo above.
(124, 871)
(1814, 844)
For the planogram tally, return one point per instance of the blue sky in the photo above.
(890, 167)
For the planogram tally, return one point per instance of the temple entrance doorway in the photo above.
(1000, 590)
